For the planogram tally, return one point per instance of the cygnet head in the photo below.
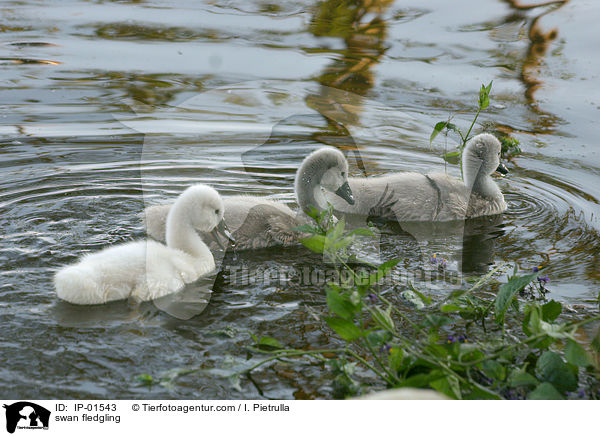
(481, 157)
(328, 168)
(201, 206)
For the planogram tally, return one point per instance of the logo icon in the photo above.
(26, 415)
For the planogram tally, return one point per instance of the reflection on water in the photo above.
(110, 105)
(539, 44)
(363, 29)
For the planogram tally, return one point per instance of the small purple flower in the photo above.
(451, 339)
(536, 269)
(437, 260)
(543, 279)
(386, 348)
(373, 298)
(462, 338)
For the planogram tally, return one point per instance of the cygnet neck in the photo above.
(181, 235)
(477, 180)
(308, 186)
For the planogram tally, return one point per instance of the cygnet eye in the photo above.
(343, 174)
(217, 212)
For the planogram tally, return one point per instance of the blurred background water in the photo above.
(107, 106)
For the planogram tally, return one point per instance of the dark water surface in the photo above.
(108, 106)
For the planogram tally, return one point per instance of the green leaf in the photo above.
(551, 310)
(484, 96)
(439, 350)
(450, 308)
(315, 243)
(396, 358)
(507, 292)
(381, 272)
(387, 266)
(378, 338)
(545, 391)
(341, 243)
(576, 354)
(145, 379)
(337, 231)
(269, 342)
(433, 320)
(520, 377)
(480, 393)
(313, 212)
(452, 157)
(344, 328)
(383, 318)
(340, 304)
(420, 380)
(470, 352)
(534, 325)
(551, 368)
(448, 386)
(453, 127)
(493, 370)
(361, 232)
(306, 228)
(510, 147)
(437, 129)
(412, 298)
(424, 298)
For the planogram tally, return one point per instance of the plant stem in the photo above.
(316, 353)
(477, 285)
(371, 367)
(466, 138)
(378, 360)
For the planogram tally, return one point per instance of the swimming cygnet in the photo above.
(409, 196)
(258, 222)
(145, 270)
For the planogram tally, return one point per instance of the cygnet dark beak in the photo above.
(345, 192)
(502, 169)
(221, 229)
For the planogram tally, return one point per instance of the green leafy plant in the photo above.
(510, 146)
(436, 347)
(466, 345)
(455, 156)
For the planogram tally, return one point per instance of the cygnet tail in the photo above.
(76, 285)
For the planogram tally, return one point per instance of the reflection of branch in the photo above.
(538, 47)
(540, 42)
(363, 35)
(363, 29)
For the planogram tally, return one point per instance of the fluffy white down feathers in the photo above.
(145, 270)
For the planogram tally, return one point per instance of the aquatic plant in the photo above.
(464, 346)
(510, 146)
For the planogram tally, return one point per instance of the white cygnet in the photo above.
(145, 270)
